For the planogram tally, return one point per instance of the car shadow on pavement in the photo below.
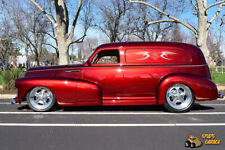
(128, 108)
(24, 107)
(113, 108)
(153, 108)
(198, 106)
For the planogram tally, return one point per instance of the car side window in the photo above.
(106, 57)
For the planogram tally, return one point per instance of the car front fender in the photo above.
(71, 92)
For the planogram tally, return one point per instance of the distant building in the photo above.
(21, 61)
(18, 61)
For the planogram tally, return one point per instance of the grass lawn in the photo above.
(218, 76)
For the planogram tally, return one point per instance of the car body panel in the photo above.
(142, 75)
(65, 89)
(203, 88)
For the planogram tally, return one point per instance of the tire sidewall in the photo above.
(50, 107)
(186, 109)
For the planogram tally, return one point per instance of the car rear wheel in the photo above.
(179, 98)
(41, 99)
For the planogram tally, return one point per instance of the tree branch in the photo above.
(222, 22)
(215, 15)
(190, 27)
(80, 40)
(50, 45)
(50, 10)
(75, 21)
(218, 3)
(49, 34)
(159, 21)
(194, 5)
(46, 14)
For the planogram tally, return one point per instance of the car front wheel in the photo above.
(41, 99)
(179, 98)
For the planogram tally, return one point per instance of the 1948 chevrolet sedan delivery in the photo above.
(132, 73)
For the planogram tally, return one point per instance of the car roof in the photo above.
(131, 44)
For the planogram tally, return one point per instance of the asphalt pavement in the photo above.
(109, 128)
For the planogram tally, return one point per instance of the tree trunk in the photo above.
(63, 51)
(37, 60)
(202, 43)
(63, 46)
(202, 34)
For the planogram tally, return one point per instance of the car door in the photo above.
(106, 71)
(140, 79)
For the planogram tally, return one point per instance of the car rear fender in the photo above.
(202, 88)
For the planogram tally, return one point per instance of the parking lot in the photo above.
(101, 128)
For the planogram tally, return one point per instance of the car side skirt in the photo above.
(129, 101)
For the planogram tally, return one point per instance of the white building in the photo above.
(21, 61)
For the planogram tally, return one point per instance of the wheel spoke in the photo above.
(37, 95)
(174, 102)
(182, 96)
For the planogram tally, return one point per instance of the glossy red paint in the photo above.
(68, 92)
(141, 76)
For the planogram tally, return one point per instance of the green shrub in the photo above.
(9, 77)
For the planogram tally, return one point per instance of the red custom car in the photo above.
(133, 73)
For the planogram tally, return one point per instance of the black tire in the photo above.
(192, 145)
(187, 144)
(48, 103)
(177, 103)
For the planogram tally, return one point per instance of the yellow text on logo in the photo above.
(210, 139)
(208, 136)
(213, 142)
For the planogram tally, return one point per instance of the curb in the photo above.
(7, 96)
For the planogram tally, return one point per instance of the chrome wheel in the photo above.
(40, 99)
(179, 97)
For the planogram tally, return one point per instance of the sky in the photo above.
(186, 16)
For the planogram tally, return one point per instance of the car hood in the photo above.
(54, 71)
(42, 68)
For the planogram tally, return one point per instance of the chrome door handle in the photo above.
(72, 71)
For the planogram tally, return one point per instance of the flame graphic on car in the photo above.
(164, 55)
(145, 55)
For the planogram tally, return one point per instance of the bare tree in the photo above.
(30, 27)
(201, 9)
(155, 32)
(7, 49)
(64, 35)
(214, 42)
(85, 48)
(177, 35)
(7, 45)
(113, 16)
